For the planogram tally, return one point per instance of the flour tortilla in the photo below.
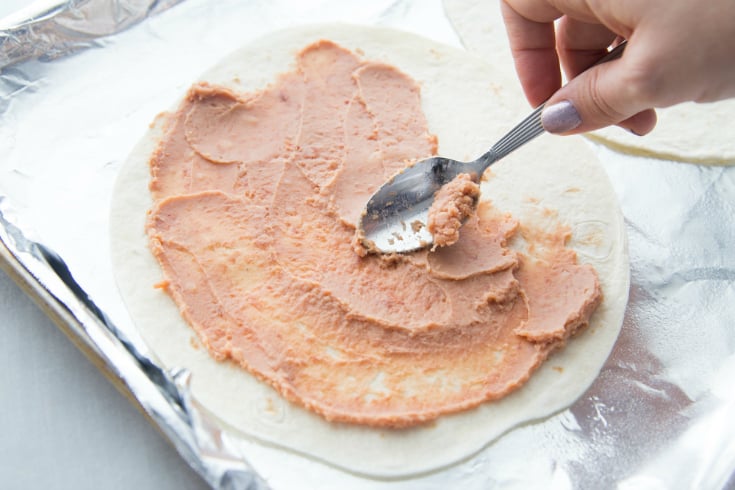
(690, 132)
(467, 106)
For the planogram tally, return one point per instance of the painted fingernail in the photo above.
(560, 117)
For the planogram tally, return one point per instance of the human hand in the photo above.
(678, 51)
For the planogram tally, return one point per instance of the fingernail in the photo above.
(560, 117)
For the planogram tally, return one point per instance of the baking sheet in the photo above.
(660, 413)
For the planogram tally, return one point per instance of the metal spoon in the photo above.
(395, 217)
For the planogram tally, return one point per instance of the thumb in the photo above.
(600, 96)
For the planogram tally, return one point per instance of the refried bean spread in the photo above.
(453, 204)
(256, 197)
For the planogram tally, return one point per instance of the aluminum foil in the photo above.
(81, 80)
(57, 28)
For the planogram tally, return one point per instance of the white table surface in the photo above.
(62, 424)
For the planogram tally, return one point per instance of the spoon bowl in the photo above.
(396, 216)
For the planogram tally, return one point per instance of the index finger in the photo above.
(533, 46)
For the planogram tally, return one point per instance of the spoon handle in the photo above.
(524, 132)
(531, 126)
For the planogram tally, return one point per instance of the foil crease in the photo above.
(164, 396)
(64, 27)
(659, 414)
